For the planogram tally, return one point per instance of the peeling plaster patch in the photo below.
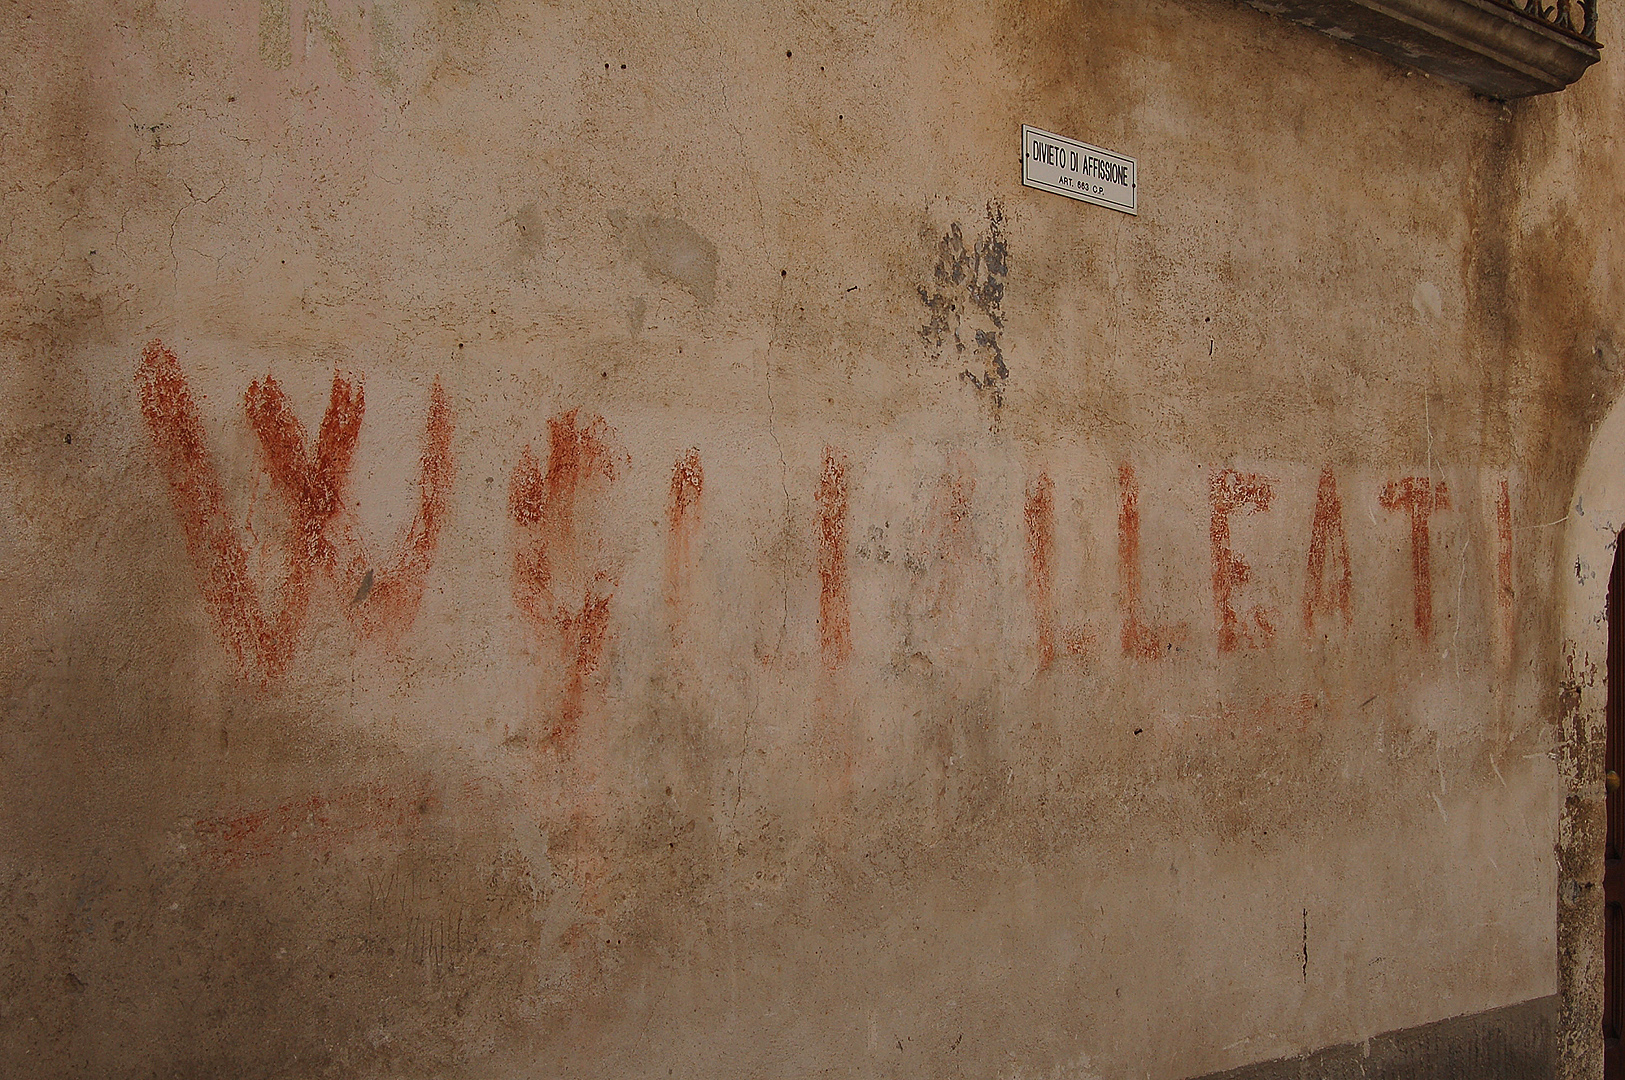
(671, 248)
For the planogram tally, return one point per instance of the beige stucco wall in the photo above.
(695, 657)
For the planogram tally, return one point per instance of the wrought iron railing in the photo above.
(1562, 15)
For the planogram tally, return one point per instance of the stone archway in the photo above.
(1595, 519)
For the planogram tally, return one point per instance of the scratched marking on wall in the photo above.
(1504, 592)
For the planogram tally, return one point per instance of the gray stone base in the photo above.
(1511, 1043)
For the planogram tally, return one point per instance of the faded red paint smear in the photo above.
(834, 599)
(960, 486)
(1040, 515)
(687, 485)
(1420, 498)
(1328, 541)
(315, 823)
(380, 598)
(1140, 639)
(257, 642)
(586, 632)
(581, 856)
(949, 540)
(1079, 640)
(552, 566)
(1231, 491)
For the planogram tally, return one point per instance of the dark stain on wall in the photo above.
(965, 299)
(671, 248)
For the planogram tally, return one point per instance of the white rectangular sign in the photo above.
(1077, 170)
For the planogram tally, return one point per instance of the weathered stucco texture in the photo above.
(605, 539)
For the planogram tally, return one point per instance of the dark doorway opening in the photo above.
(1613, 880)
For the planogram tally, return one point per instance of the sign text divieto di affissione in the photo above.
(1078, 170)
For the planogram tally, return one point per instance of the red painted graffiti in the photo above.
(552, 566)
(1419, 497)
(687, 482)
(315, 489)
(1231, 491)
(258, 642)
(316, 824)
(565, 587)
(1040, 514)
(834, 600)
(382, 597)
(1140, 639)
(1328, 541)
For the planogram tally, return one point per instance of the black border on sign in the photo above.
(1026, 181)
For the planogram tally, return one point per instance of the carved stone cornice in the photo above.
(1498, 50)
